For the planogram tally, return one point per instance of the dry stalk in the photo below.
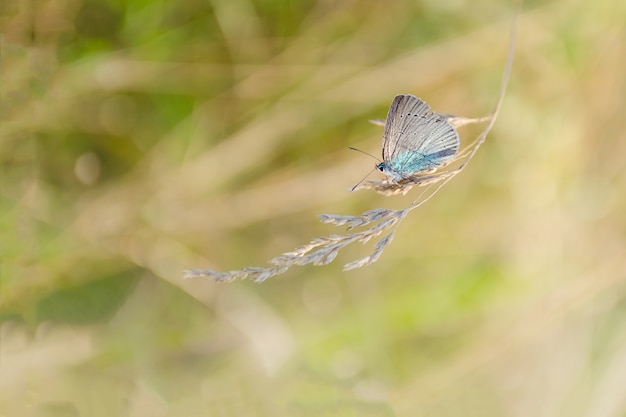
(323, 250)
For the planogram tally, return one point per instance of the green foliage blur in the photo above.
(142, 138)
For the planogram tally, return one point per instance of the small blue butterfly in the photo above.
(415, 140)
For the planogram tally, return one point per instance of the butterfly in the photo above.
(415, 140)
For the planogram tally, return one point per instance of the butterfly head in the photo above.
(391, 173)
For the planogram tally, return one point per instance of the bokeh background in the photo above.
(142, 138)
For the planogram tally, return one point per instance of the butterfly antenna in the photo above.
(366, 153)
(359, 183)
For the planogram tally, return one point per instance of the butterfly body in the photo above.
(415, 140)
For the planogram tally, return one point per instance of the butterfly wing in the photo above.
(396, 122)
(415, 140)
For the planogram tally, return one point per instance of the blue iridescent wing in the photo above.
(416, 140)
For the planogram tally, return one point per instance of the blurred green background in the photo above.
(142, 138)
